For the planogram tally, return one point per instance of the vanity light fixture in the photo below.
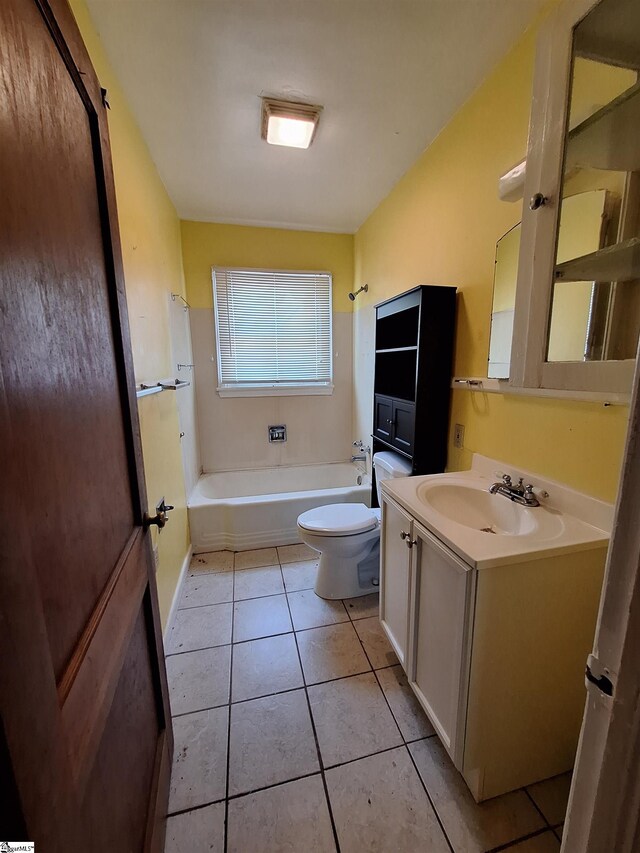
(289, 123)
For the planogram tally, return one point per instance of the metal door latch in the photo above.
(598, 675)
(160, 518)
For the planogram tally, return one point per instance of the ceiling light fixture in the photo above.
(289, 123)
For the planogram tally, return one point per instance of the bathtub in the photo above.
(239, 510)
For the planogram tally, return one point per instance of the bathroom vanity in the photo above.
(491, 609)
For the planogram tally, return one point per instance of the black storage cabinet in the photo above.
(412, 383)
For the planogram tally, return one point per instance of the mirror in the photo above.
(580, 308)
(504, 300)
(595, 313)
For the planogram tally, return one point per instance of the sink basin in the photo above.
(474, 507)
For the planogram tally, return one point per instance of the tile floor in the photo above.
(295, 729)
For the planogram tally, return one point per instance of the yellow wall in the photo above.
(440, 225)
(207, 244)
(151, 249)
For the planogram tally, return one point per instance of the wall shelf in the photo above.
(503, 386)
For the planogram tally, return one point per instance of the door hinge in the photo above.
(598, 675)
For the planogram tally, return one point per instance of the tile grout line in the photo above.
(509, 845)
(554, 827)
(265, 636)
(537, 808)
(226, 799)
(288, 689)
(405, 745)
(315, 734)
(271, 785)
(195, 808)
(276, 692)
(431, 802)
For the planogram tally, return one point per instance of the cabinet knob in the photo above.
(408, 541)
(538, 200)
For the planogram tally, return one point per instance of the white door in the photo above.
(395, 576)
(440, 637)
(603, 813)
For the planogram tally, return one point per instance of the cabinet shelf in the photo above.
(397, 349)
(609, 138)
(614, 263)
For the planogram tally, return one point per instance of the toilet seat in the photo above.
(344, 519)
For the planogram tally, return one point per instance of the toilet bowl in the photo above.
(348, 537)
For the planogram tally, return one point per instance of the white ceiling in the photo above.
(389, 73)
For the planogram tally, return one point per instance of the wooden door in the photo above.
(85, 740)
(395, 576)
(440, 637)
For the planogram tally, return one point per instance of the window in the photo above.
(273, 332)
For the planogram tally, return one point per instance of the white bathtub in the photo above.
(240, 510)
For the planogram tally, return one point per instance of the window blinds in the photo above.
(273, 328)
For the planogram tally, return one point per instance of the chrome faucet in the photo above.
(362, 456)
(519, 493)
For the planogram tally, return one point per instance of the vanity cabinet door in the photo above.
(395, 576)
(440, 637)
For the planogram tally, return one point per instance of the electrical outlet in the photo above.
(458, 436)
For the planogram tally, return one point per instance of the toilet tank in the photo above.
(389, 465)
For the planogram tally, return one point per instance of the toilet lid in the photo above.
(338, 519)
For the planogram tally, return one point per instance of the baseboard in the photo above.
(246, 541)
(178, 592)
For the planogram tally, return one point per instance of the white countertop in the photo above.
(482, 550)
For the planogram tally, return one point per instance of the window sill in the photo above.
(277, 391)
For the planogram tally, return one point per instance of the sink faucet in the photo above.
(519, 493)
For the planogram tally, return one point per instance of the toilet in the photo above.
(348, 537)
